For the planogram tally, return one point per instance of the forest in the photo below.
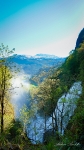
(45, 91)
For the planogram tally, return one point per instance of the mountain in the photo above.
(80, 38)
(32, 64)
(72, 71)
(45, 56)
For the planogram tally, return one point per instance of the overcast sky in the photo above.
(41, 26)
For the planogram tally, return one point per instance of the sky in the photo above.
(41, 26)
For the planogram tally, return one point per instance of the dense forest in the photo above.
(45, 94)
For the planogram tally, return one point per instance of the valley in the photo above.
(47, 97)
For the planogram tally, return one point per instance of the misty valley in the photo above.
(35, 126)
(42, 100)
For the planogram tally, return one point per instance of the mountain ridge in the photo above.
(39, 55)
(32, 65)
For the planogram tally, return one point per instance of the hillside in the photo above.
(58, 83)
(59, 74)
(32, 64)
(70, 72)
(80, 39)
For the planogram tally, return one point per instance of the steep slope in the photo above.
(71, 71)
(80, 38)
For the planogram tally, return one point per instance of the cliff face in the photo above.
(80, 38)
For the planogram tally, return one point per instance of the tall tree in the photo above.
(5, 76)
(46, 97)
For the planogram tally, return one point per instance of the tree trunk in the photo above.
(2, 114)
(61, 124)
(2, 97)
(56, 125)
(45, 123)
(53, 123)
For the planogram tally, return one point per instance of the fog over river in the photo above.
(21, 86)
(35, 129)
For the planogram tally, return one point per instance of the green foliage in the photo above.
(47, 93)
(25, 114)
(46, 96)
(50, 145)
(5, 52)
(3, 139)
(16, 129)
(5, 83)
(75, 65)
(80, 38)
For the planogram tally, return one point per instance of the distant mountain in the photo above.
(32, 64)
(46, 56)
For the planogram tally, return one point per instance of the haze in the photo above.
(41, 26)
